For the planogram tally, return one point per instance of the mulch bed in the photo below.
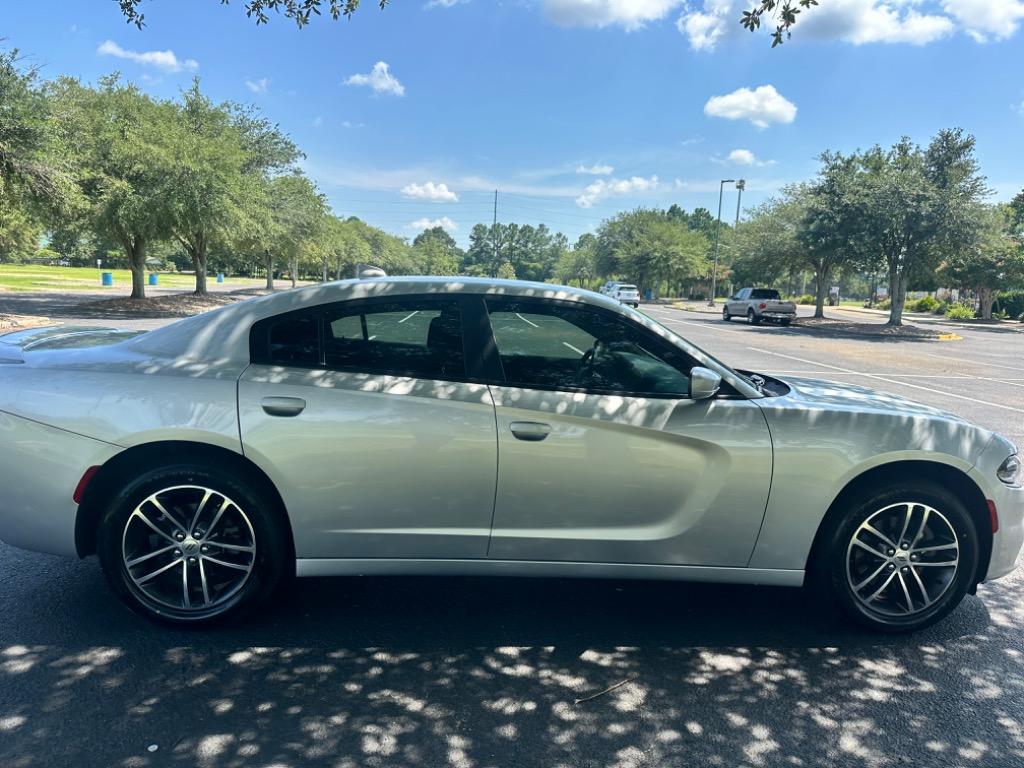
(830, 326)
(173, 305)
(9, 323)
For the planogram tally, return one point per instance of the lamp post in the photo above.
(718, 228)
(740, 186)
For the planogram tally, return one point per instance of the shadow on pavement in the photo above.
(486, 672)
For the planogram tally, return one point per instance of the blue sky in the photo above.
(572, 109)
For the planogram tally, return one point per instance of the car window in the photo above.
(403, 338)
(293, 340)
(764, 293)
(549, 346)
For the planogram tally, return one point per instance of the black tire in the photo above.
(752, 318)
(831, 572)
(785, 323)
(268, 564)
(725, 314)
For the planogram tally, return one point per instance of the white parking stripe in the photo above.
(703, 325)
(528, 322)
(408, 316)
(577, 350)
(886, 373)
(975, 362)
(891, 381)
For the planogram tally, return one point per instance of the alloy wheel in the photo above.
(902, 559)
(188, 548)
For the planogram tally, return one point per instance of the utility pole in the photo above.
(494, 234)
(718, 228)
(740, 186)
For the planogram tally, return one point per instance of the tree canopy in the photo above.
(299, 11)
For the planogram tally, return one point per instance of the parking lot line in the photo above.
(409, 315)
(528, 322)
(891, 381)
(577, 350)
(975, 362)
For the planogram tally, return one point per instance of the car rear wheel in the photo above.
(191, 545)
(752, 318)
(902, 558)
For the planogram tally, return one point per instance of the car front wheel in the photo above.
(902, 558)
(190, 545)
(725, 314)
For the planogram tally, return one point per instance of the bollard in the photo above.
(107, 278)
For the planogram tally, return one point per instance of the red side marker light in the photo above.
(993, 516)
(83, 484)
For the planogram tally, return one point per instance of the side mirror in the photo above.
(704, 383)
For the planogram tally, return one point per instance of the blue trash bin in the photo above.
(649, 294)
(107, 278)
(220, 277)
(154, 278)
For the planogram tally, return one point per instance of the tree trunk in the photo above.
(897, 295)
(986, 298)
(136, 251)
(821, 285)
(268, 262)
(199, 263)
(293, 267)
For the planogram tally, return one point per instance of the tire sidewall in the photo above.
(271, 552)
(835, 548)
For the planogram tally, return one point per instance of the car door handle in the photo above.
(283, 406)
(531, 431)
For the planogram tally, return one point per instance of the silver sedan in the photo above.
(460, 426)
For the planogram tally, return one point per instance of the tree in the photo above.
(300, 11)
(210, 186)
(436, 253)
(783, 11)
(767, 245)
(123, 157)
(995, 263)
(506, 271)
(578, 263)
(911, 208)
(297, 213)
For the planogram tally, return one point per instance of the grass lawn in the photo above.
(34, 277)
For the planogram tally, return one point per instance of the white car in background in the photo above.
(625, 294)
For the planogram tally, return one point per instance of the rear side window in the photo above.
(293, 340)
(402, 338)
(764, 293)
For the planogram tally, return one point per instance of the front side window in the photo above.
(548, 346)
(403, 338)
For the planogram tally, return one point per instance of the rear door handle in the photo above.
(531, 431)
(283, 406)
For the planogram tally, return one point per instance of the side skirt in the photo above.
(426, 567)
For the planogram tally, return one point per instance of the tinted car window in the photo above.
(404, 338)
(293, 340)
(562, 347)
(764, 293)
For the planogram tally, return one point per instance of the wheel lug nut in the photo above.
(179, 536)
(192, 561)
(892, 567)
(891, 552)
(177, 553)
(904, 545)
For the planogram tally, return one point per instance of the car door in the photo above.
(363, 415)
(737, 304)
(603, 457)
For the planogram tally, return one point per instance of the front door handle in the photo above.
(283, 406)
(531, 431)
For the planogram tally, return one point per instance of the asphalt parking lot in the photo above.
(498, 672)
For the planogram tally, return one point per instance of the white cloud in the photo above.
(629, 14)
(603, 188)
(853, 21)
(438, 193)
(595, 170)
(379, 79)
(742, 157)
(318, 121)
(984, 20)
(761, 106)
(257, 86)
(165, 60)
(444, 222)
(443, 3)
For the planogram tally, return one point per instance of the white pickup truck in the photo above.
(757, 304)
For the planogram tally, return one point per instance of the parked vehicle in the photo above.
(608, 287)
(757, 304)
(625, 293)
(473, 426)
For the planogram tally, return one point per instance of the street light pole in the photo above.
(718, 228)
(740, 186)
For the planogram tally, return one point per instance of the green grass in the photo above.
(34, 277)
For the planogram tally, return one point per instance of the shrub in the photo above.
(925, 304)
(960, 312)
(805, 298)
(1011, 302)
(883, 304)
